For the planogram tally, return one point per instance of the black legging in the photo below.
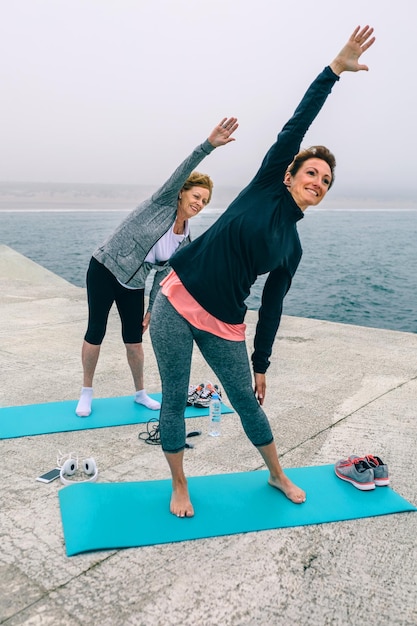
(103, 289)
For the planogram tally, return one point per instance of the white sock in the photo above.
(141, 397)
(84, 404)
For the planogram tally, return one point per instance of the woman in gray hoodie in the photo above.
(144, 241)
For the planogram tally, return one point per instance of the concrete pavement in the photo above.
(333, 390)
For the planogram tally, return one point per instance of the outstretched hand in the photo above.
(358, 43)
(221, 134)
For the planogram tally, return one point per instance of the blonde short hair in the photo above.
(196, 179)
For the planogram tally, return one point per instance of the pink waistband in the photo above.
(193, 312)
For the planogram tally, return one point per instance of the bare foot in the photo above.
(293, 493)
(180, 503)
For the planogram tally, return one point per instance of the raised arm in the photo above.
(277, 285)
(347, 59)
(219, 136)
(289, 139)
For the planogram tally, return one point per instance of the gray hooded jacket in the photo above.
(124, 251)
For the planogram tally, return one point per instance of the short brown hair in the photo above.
(196, 179)
(315, 152)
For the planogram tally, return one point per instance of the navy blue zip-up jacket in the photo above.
(257, 234)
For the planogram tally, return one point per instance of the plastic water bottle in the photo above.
(215, 415)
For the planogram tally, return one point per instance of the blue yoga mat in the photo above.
(122, 515)
(59, 417)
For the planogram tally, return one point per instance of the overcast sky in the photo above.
(120, 91)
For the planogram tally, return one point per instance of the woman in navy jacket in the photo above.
(202, 299)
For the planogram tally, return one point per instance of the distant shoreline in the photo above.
(113, 197)
(123, 206)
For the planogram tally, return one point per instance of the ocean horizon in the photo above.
(47, 196)
(359, 262)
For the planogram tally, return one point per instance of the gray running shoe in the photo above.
(381, 477)
(357, 472)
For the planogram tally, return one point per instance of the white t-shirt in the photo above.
(164, 248)
(166, 245)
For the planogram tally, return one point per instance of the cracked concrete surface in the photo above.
(333, 390)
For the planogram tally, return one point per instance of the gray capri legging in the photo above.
(172, 339)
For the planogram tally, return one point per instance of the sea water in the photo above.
(358, 267)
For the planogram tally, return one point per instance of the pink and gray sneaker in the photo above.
(381, 477)
(357, 472)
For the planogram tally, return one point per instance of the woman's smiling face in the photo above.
(192, 201)
(310, 184)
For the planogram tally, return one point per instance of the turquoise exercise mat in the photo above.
(132, 514)
(59, 417)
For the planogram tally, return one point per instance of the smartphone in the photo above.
(49, 476)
